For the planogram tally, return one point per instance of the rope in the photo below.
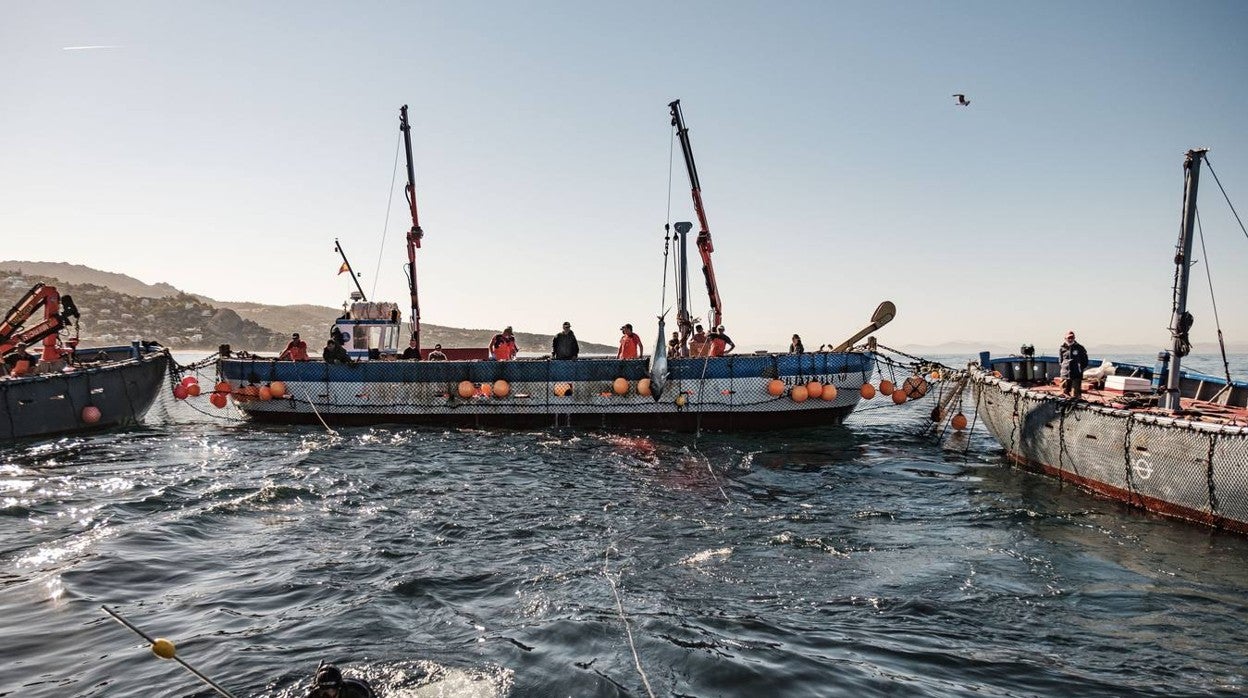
(389, 203)
(1213, 299)
(317, 412)
(1228, 199)
(619, 606)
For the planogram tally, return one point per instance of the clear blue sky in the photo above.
(221, 147)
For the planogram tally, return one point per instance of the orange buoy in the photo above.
(643, 387)
(466, 389)
(799, 393)
(562, 389)
(958, 422)
(814, 390)
(934, 375)
(222, 387)
(217, 399)
(90, 414)
(829, 393)
(886, 387)
(179, 391)
(620, 386)
(937, 414)
(867, 391)
(193, 390)
(775, 388)
(486, 389)
(278, 389)
(899, 396)
(502, 388)
(189, 379)
(264, 393)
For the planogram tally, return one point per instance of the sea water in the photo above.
(866, 559)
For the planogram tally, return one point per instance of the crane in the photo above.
(705, 245)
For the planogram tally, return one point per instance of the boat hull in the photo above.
(123, 388)
(721, 393)
(1187, 469)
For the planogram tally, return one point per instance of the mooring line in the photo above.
(619, 605)
(317, 412)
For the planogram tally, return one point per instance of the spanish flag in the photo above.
(344, 268)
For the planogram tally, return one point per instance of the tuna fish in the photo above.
(658, 361)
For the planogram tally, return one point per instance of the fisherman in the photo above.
(630, 344)
(436, 354)
(1074, 358)
(412, 352)
(296, 350)
(674, 348)
(721, 343)
(17, 362)
(697, 343)
(795, 346)
(564, 346)
(503, 345)
(334, 353)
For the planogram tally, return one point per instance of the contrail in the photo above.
(86, 48)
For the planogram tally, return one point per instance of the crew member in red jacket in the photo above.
(296, 350)
(630, 344)
(503, 346)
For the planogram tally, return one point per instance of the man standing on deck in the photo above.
(565, 346)
(630, 344)
(296, 350)
(1074, 358)
(503, 346)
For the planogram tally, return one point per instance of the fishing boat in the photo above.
(1158, 437)
(688, 391)
(66, 388)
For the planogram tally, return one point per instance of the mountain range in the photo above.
(118, 308)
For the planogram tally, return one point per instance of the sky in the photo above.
(222, 148)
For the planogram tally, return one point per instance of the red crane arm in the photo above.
(40, 295)
(705, 245)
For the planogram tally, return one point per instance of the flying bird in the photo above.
(962, 100)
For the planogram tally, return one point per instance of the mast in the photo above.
(415, 234)
(684, 321)
(1181, 320)
(351, 271)
(705, 246)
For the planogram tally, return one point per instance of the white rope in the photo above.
(311, 404)
(619, 605)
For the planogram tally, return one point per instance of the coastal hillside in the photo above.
(118, 308)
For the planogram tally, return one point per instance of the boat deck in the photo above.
(1195, 410)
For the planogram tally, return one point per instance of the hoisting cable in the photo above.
(1228, 199)
(1213, 299)
(394, 173)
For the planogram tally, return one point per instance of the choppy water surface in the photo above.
(858, 560)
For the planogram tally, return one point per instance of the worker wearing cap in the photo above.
(630, 344)
(1074, 358)
(564, 345)
(503, 345)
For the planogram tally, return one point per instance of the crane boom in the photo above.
(705, 245)
(415, 234)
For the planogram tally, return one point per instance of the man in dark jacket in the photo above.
(565, 345)
(1074, 359)
(334, 353)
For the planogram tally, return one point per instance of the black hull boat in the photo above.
(114, 392)
(65, 390)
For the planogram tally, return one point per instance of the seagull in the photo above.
(963, 101)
